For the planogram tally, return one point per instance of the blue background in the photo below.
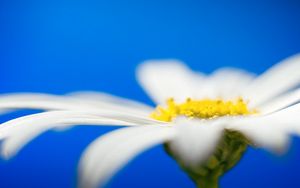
(58, 46)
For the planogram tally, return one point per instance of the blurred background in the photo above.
(59, 46)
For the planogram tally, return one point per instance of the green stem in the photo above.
(207, 183)
(204, 177)
(227, 155)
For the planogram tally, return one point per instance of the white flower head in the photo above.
(194, 112)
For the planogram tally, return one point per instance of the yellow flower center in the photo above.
(202, 109)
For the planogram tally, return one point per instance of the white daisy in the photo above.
(206, 125)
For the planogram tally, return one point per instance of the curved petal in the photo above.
(226, 83)
(77, 101)
(275, 81)
(41, 101)
(25, 96)
(52, 104)
(288, 119)
(16, 139)
(196, 141)
(163, 79)
(106, 155)
(280, 102)
(104, 100)
(171, 78)
(72, 117)
(270, 131)
(262, 134)
(28, 100)
(20, 131)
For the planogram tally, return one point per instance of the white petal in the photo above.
(171, 78)
(262, 133)
(20, 131)
(71, 117)
(281, 102)
(104, 100)
(195, 141)
(40, 101)
(25, 96)
(80, 101)
(226, 83)
(275, 81)
(28, 100)
(15, 139)
(163, 79)
(53, 104)
(106, 155)
(270, 131)
(288, 119)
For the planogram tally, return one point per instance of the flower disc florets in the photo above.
(202, 109)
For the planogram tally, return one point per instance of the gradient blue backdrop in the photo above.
(58, 46)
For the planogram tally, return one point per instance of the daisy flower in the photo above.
(205, 122)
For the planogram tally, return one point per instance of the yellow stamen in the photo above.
(202, 109)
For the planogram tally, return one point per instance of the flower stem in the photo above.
(228, 153)
(207, 183)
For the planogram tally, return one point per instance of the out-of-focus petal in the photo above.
(275, 81)
(16, 141)
(196, 141)
(261, 133)
(106, 155)
(271, 131)
(226, 83)
(163, 79)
